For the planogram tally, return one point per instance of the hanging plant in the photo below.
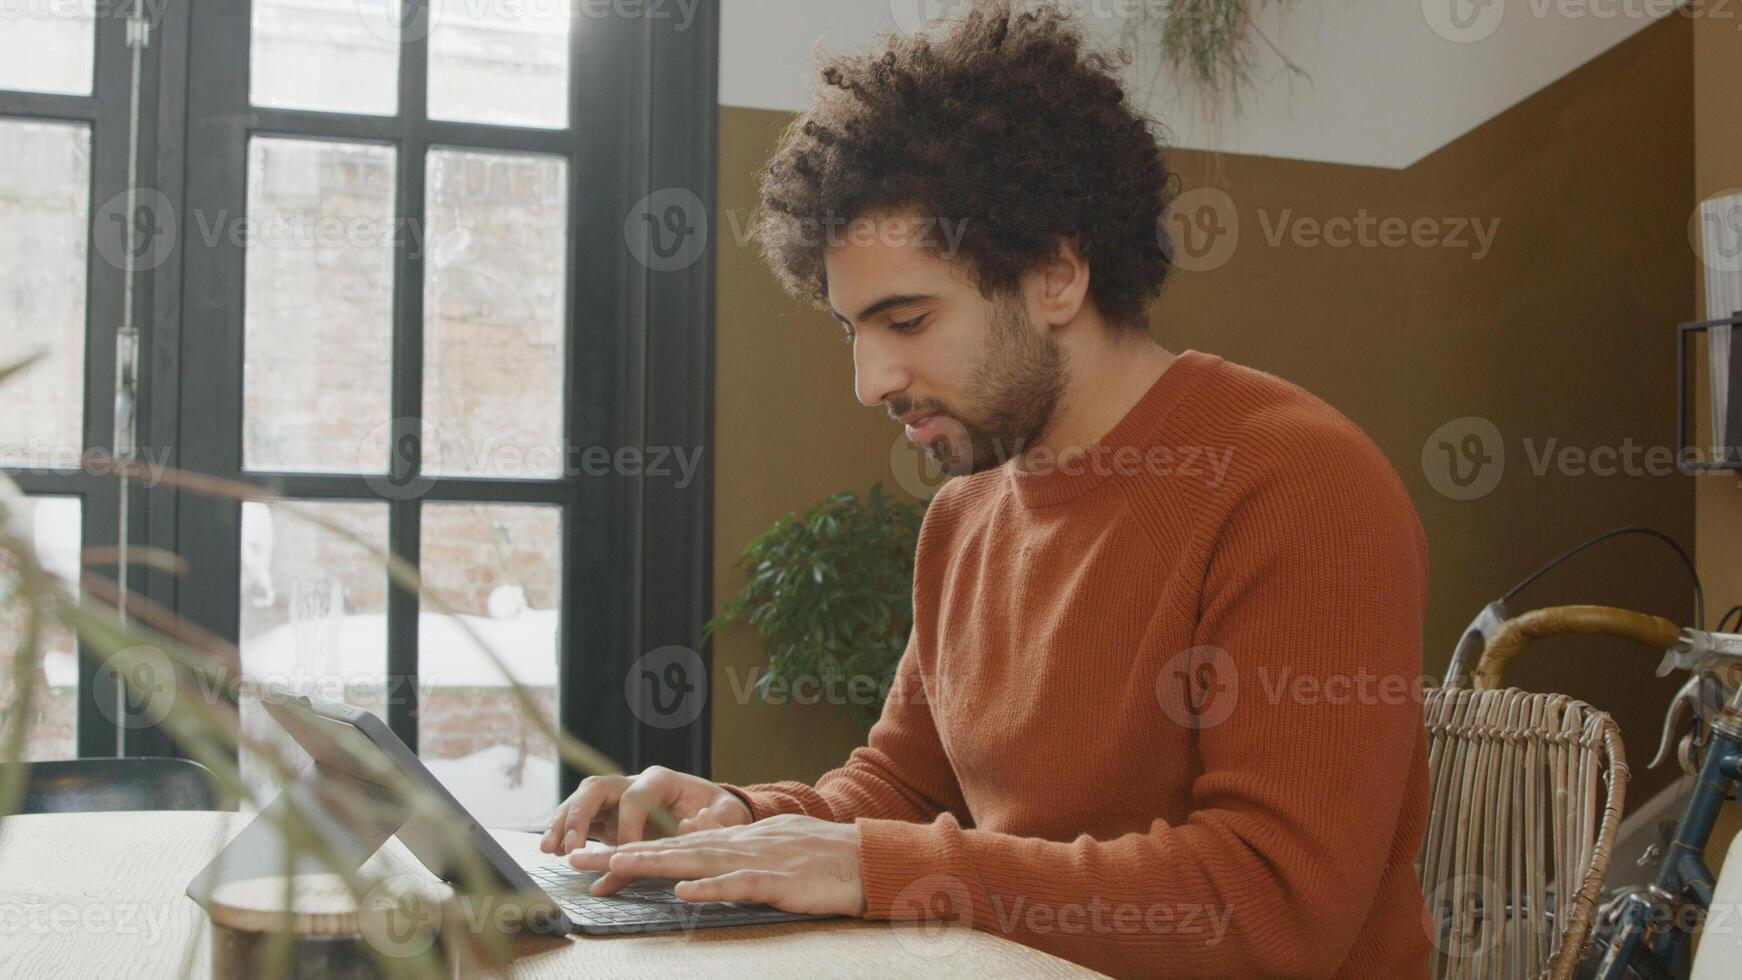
(1210, 44)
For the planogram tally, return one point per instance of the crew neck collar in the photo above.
(1078, 473)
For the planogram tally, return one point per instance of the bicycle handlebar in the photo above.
(1515, 634)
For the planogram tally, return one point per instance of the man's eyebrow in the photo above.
(885, 303)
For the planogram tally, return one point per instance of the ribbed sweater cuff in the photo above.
(772, 799)
(909, 869)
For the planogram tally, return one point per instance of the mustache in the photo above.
(901, 405)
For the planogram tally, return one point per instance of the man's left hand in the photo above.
(796, 863)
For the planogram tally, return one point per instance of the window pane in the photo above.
(498, 567)
(45, 177)
(47, 46)
(313, 617)
(329, 55)
(501, 63)
(318, 325)
(52, 525)
(493, 314)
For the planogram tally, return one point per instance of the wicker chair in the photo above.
(1526, 792)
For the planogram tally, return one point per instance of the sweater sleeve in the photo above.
(901, 773)
(1303, 690)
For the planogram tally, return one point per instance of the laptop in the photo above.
(353, 753)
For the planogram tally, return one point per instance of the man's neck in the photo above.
(1109, 373)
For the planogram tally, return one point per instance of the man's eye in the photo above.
(907, 326)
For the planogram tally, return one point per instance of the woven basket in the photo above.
(1526, 792)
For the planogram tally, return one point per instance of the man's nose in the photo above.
(878, 371)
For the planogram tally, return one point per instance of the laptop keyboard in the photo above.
(645, 905)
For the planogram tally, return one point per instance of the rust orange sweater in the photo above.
(1160, 709)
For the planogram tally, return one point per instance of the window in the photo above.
(400, 297)
(62, 141)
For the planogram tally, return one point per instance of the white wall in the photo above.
(1391, 80)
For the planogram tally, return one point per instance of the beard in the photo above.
(1010, 398)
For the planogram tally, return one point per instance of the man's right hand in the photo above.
(614, 808)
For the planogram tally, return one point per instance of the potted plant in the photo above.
(831, 594)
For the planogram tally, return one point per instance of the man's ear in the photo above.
(1064, 283)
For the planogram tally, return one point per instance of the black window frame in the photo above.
(105, 111)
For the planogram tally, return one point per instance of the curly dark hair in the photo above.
(1006, 124)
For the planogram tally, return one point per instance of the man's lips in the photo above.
(923, 428)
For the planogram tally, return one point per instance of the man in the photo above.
(1157, 714)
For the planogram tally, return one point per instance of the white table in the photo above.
(98, 895)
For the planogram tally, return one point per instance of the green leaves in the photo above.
(831, 594)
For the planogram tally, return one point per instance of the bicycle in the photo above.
(1643, 932)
